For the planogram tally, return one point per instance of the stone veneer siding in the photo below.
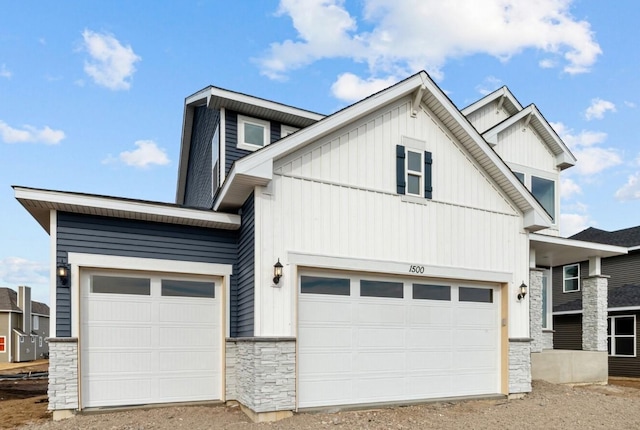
(547, 339)
(63, 373)
(261, 373)
(535, 309)
(519, 366)
(594, 313)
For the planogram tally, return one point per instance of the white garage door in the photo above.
(149, 339)
(365, 340)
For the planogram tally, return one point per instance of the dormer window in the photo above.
(253, 133)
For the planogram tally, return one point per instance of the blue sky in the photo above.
(91, 93)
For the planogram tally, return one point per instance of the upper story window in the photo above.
(544, 190)
(36, 322)
(253, 133)
(413, 169)
(286, 130)
(571, 278)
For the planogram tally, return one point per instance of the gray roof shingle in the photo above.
(9, 302)
(619, 297)
(625, 237)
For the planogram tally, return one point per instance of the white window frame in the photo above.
(419, 174)
(4, 344)
(40, 341)
(36, 322)
(215, 161)
(286, 130)
(612, 337)
(528, 174)
(564, 285)
(266, 126)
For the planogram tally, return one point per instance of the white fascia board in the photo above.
(59, 198)
(565, 156)
(491, 135)
(221, 93)
(500, 92)
(634, 248)
(576, 312)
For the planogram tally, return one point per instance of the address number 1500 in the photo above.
(416, 269)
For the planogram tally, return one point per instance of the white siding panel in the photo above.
(487, 117)
(521, 145)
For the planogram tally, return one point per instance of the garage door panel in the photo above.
(184, 387)
(186, 360)
(418, 361)
(373, 337)
(330, 311)
(430, 315)
(379, 361)
(121, 391)
(103, 309)
(437, 337)
(400, 348)
(327, 363)
(101, 336)
(319, 336)
(389, 310)
(107, 361)
(193, 312)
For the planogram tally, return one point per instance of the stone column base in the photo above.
(519, 365)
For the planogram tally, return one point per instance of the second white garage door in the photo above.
(149, 338)
(366, 340)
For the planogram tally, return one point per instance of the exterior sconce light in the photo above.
(523, 291)
(277, 272)
(63, 273)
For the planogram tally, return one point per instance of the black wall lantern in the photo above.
(277, 272)
(63, 273)
(523, 291)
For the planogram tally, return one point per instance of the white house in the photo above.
(388, 253)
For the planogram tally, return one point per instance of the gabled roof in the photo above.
(9, 302)
(505, 98)
(218, 98)
(40, 202)
(629, 237)
(532, 116)
(256, 169)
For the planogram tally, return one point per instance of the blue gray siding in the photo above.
(198, 188)
(232, 152)
(130, 238)
(242, 299)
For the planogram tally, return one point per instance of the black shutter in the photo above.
(400, 178)
(428, 189)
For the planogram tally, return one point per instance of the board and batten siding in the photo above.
(242, 298)
(487, 117)
(337, 197)
(132, 238)
(523, 146)
(198, 188)
(232, 152)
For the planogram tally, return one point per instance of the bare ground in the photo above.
(549, 406)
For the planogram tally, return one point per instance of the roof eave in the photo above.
(558, 251)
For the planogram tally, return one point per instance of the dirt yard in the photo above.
(549, 406)
(22, 401)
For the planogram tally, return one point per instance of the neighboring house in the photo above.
(372, 256)
(24, 326)
(623, 300)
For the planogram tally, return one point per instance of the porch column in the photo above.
(535, 309)
(594, 313)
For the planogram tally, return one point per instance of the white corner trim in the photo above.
(396, 268)
(53, 263)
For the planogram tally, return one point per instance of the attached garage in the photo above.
(365, 339)
(149, 338)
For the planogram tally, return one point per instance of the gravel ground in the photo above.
(549, 406)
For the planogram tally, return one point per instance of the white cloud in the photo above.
(598, 108)
(630, 190)
(146, 154)
(4, 72)
(30, 134)
(402, 37)
(16, 271)
(592, 158)
(349, 87)
(571, 224)
(569, 188)
(111, 65)
(547, 63)
(629, 104)
(489, 85)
